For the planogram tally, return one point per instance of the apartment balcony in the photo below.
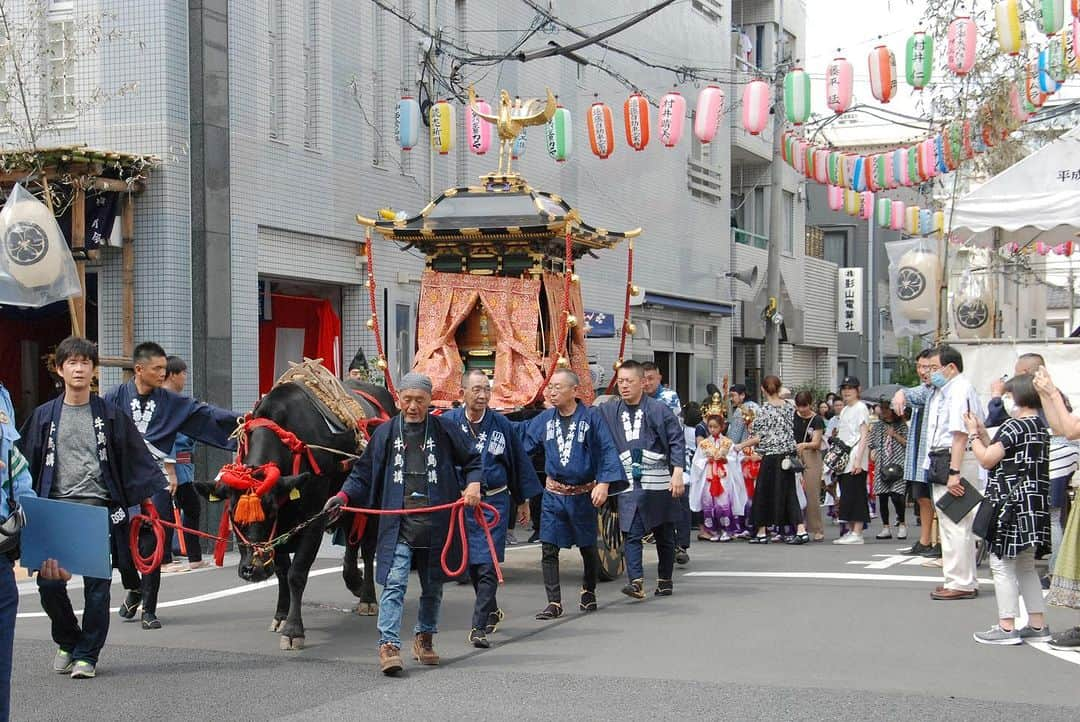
(747, 238)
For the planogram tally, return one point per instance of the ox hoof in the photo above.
(291, 644)
(276, 625)
(367, 609)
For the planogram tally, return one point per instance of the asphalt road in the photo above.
(752, 633)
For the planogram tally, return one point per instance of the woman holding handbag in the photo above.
(888, 442)
(853, 434)
(809, 430)
(1018, 527)
(776, 500)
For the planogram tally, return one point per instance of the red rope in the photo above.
(374, 315)
(147, 564)
(457, 525)
(626, 309)
(560, 340)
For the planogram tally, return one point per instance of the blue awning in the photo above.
(599, 324)
(682, 303)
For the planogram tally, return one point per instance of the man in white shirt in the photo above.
(947, 441)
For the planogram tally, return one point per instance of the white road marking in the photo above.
(844, 576)
(209, 597)
(891, 560)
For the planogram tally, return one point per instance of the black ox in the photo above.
(298, 497)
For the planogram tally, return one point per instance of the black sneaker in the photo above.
(933, 552)
(682, 558)
(664, 588)
(1067, 641)
(130, 605)
(587, 601)
(478, 639)
(493, 621)
(552, 611)
(534, 537)
(150, 621)
(635, 589)
(916, 549)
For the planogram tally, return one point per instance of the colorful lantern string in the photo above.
(709, 113)
(797, 96)
(839, 76)
(1010, 32)
(407, 122)
(919, 59)
(671, 114)
(960, 51)
(882, 65)
(636, 121)
(755, 106)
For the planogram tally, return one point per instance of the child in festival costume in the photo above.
(712, 490)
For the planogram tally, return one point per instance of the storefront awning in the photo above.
(655, 299)
(599, 324)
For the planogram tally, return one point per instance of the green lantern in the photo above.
(797, 96)
(559, 135)
(920, 59)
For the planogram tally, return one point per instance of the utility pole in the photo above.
(776, 205)
(871, 284)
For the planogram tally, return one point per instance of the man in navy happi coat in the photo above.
(581, 468)
(652, 448)
(412, 462)
(508, 475)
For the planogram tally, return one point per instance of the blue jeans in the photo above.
(83, 643)
(9, 605)
(392, 600)
(665, 549)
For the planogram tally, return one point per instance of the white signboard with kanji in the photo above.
(849, 317)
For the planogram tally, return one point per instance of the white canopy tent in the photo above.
(1033, 200)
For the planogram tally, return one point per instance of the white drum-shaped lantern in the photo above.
(916, 287)
(34, 248)
(973, 307)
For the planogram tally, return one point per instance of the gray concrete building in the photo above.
(275, 124)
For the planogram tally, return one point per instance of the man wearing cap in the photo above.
(412, 462)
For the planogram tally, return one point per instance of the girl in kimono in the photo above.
(710, 482)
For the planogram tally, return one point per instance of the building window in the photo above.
(789, 223)
(702, 179)
(704, 336)
(836, 248)
(276, 76)
(712, 9)
(703, 374)
(311, 77)
(60, 63)
(759, 212)
(663, 333)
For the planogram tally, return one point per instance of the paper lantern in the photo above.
(973, 306)
(838, 79)
(835, 195)
(852, 202)
(960, 51)
(636, 121)
(517, 148)
(1064, 249)
(1010, 31)
(883, 213)
(866, 209)
(479, 130)
(926, 222)
(709, 113)
(799, 153)
(1042, 248)
(966, 139)
(900, 167)
(442, 126)
(559, 135)
(890, 171)
(919, 59)
(601, 138)
(1076, 45)
(939, 224)
(911, 220)
(1075, 8)
(896, 216)
(1051, 16)
(407, 122)
(877, 179)
(670, 118)
(882, 64)
(857, 178)
(939, 154)
(1034, 94)
(809, 164)
(926, 159)
(914, 172)
(1016, 104)
(836, 168)
(916, 287)
(32, 246)
(797, 96)
(755, 106)
(821, 165)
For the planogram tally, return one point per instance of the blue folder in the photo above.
(75, 535)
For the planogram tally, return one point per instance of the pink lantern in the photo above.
(1042, 248)
(1016, 104)
(821, 165)
(960, 51)
(896, 217)
(755, 106)
(927, 159)
(1064, 249)
(882, 64)
(890, 171)
(478, 129)
(798, 157)
(838, 79)
(709, 112)
(636, 121)
(867, 211)
(670, 118)
(836, 198)
(601, 135)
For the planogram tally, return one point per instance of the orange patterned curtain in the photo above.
(446, 301)
(579, 360)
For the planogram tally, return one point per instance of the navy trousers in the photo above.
(9, 606)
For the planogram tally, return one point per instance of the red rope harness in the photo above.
(147, 564)
(291, 441)
(375, 316)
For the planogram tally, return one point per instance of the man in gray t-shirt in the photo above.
(78, 470)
